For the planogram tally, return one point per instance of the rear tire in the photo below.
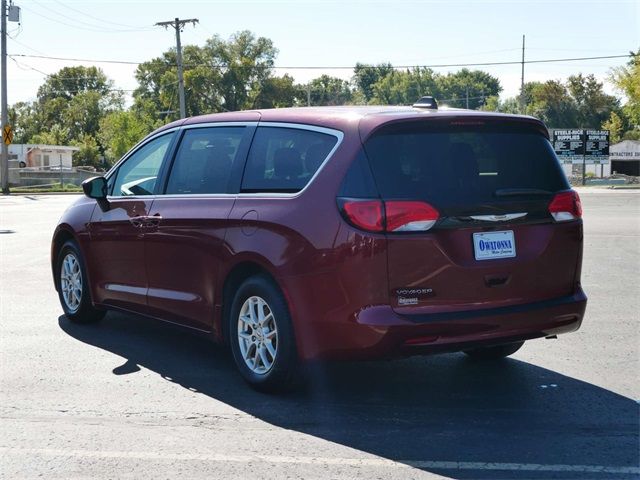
(494, 353)
(73, 288)
(261, 335)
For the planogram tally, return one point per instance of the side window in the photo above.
(138, 174)
(284, 159)
(205, 160)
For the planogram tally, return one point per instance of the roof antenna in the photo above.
(427, 102)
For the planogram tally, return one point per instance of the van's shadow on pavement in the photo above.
(444, 408)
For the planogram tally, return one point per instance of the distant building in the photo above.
(45, 157)
(625, 157)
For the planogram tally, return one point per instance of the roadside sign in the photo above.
(583, 147)
(596, 145)
(7, 134)
(568, 144)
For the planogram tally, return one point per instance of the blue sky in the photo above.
(330, 33)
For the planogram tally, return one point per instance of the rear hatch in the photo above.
(477, 214)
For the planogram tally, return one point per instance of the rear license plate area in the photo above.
(494, 245)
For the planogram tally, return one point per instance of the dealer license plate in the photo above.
(490, 245)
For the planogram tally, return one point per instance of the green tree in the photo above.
(70, 105)
(25, 118)
(551, 102)
(223, 75)
(56, 135)
(405, 87)
(366, 76)
(627, 81)
(119, 131)
(494, 104)
(83, 113)
(70, 81)
(245, 63)
(615, 126)
(593, 106)
(277, 92)
(89, 153)
(468, 88)
(327, 90)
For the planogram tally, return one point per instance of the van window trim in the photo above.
(137, 147)
(338, 134)
(247, 138)
(179, 133)
(141, 144)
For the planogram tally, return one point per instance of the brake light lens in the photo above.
(566, 206)
(390, 216)
(365, 214)
(405, 216)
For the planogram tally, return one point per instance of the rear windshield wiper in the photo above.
(513, 192)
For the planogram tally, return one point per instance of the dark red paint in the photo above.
(340, 281)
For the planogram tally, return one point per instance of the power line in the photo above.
(89, 27)
(26, 46)
(101, 20)
(343, 67)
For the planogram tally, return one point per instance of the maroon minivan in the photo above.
(335, 232)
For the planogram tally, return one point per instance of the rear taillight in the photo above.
(389, 216)
(566, 206)
(365, 214)
(410, 216)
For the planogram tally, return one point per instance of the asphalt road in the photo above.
(130, 398)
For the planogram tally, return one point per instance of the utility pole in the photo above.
(467, 97)
(4, 159)
(523, 107)
(177, 24)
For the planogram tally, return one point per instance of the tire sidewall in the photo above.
(86, 307)
(286, 358)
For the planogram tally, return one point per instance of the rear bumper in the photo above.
(379, 331)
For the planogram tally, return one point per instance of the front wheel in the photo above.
(494, 353)
(261, 335)
(73, 289)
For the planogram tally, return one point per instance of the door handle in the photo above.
(146, 221)
(153, 220)
(137, 221)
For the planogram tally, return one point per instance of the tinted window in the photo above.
(284, 159)
(462, 166)
(358, 182)
(205, 160)
(138, 174)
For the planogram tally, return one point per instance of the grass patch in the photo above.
(57, 188)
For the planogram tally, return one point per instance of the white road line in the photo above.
(352, 462)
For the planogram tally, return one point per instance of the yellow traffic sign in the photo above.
(7, 134)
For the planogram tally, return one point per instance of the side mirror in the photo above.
(96, 187)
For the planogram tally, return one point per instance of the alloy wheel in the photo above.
(257, 335)
(71, 282)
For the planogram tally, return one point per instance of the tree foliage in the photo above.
(222, 75)
(627, 81)
(80, 106)
(327, 90)
(405, 87)
(468, 88)
(121, 130)
(71, 81)
(615, 126)
(366, 76)
(580, 102)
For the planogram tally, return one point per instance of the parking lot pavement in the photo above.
(131, 398)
